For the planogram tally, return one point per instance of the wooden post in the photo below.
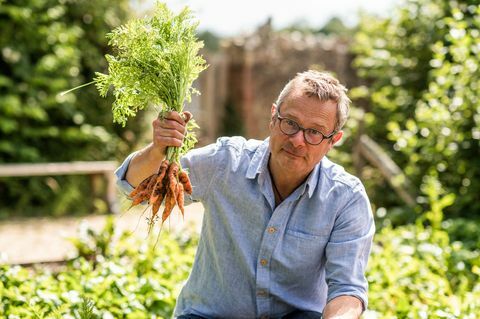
(392, 173)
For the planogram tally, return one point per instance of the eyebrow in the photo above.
(317, 127)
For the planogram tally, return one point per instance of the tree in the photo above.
(422, 65)
(335, 26)
(47, 47)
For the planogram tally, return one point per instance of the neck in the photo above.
(278, 196)
(282, 184)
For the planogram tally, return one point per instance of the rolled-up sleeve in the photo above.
(348, 249)
(202, 165)
(121, 173)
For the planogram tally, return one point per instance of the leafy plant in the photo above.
(45, 48)
(86, 310)
(416, 272)
(421, 64)
(129, 278)
(155, 64)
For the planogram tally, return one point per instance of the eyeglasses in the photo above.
(311, 136)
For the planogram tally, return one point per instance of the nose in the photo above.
(298, 139)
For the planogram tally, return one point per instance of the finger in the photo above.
(165, 140)
(174, 116)
(168, 141)
(166, 132)
(187, 116)
(164, 137)
(168, 124)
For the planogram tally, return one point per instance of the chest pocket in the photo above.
(305, 246)
(301, 251)
(299, 258)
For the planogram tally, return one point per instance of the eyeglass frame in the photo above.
(301, 128)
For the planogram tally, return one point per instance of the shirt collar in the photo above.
(310, 184)
(312, 180)
(259, 164)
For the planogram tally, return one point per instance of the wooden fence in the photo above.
(95, 169)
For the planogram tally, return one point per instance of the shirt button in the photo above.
(271, 230)
(263, 262)
(262, 293)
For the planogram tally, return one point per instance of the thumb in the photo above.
(187, 116)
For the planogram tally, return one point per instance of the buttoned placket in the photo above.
(274, 231)
(271, 236)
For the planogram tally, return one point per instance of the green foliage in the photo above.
(39, 196)
(87, 308)
(332, 28)
(417, 272)
(335, 26)
(129, 278)
(422, 65)
(155, 64)
(232, 123)
(47, 47)
(210, 40)
(414, 272)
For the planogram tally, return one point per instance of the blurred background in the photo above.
(412, 69)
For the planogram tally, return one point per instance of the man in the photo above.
(286, 232)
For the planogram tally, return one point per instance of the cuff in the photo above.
(120, 174)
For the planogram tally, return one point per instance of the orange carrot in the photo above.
(182, 176)
(157, 194)
(140, 187)
(185, 180)
(155, 208)
(158, 187)
(168, 185)
(139, 198)
(180, 199)
(170, 200)
(172, 177)
(163, 169)
(151, 183)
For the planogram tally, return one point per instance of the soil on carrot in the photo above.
(168, 186)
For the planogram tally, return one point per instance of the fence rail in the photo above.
(95, 168)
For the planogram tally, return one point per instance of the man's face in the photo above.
(292, 155)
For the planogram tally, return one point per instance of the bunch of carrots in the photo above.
(168, 185)
(155, 63)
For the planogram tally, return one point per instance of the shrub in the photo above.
(414, 272)
(118, 276)
(47, 47)
(417, 272)
(421, 65)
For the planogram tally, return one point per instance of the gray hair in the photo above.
(322, 85)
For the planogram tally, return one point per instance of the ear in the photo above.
(336, 138)
(273, 110)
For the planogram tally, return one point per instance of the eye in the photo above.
(291, 123)
(313, 132)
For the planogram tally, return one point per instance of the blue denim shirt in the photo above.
(257, 260)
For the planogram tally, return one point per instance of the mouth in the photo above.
(292, 153)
